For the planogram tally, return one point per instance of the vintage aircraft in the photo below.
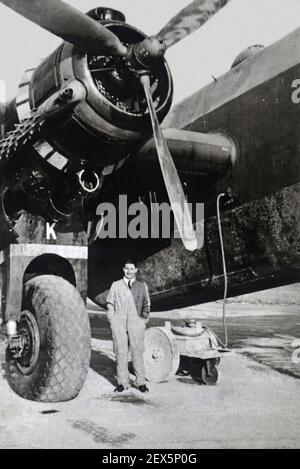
(80, 133)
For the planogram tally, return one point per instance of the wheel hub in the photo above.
(161, 357)
(157, 354)
(28, 330)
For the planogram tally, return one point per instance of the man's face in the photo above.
(130, 271)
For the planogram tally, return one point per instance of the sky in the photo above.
(208, 52)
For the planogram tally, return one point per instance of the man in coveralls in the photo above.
(128, 306)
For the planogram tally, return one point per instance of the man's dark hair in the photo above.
(129, 260)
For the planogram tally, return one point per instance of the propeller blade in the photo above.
(173, 185)
(189, 19)
(70, 24)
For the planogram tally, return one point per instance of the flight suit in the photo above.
(128, 324)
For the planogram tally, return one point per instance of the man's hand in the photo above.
(70, 24)
(146, 304)
(110, 311)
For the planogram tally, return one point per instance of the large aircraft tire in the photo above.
(55, 360)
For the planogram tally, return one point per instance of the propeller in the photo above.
(173, 185)
(189, 19)
(141, 57)
(70, 24)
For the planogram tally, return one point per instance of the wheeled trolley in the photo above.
(191, 348)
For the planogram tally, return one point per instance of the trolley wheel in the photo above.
(209, 373)
(161, 356)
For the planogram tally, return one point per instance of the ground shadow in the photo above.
(100, 328)
(104, 366)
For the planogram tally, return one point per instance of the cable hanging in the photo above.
(220, 196)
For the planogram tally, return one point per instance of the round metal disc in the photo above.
(29, 330)
(161, 356)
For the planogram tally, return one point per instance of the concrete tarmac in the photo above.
(252, 406)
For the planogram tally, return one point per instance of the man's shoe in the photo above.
(119, 388)
(143, 388)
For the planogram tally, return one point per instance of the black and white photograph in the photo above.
(149, 227)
